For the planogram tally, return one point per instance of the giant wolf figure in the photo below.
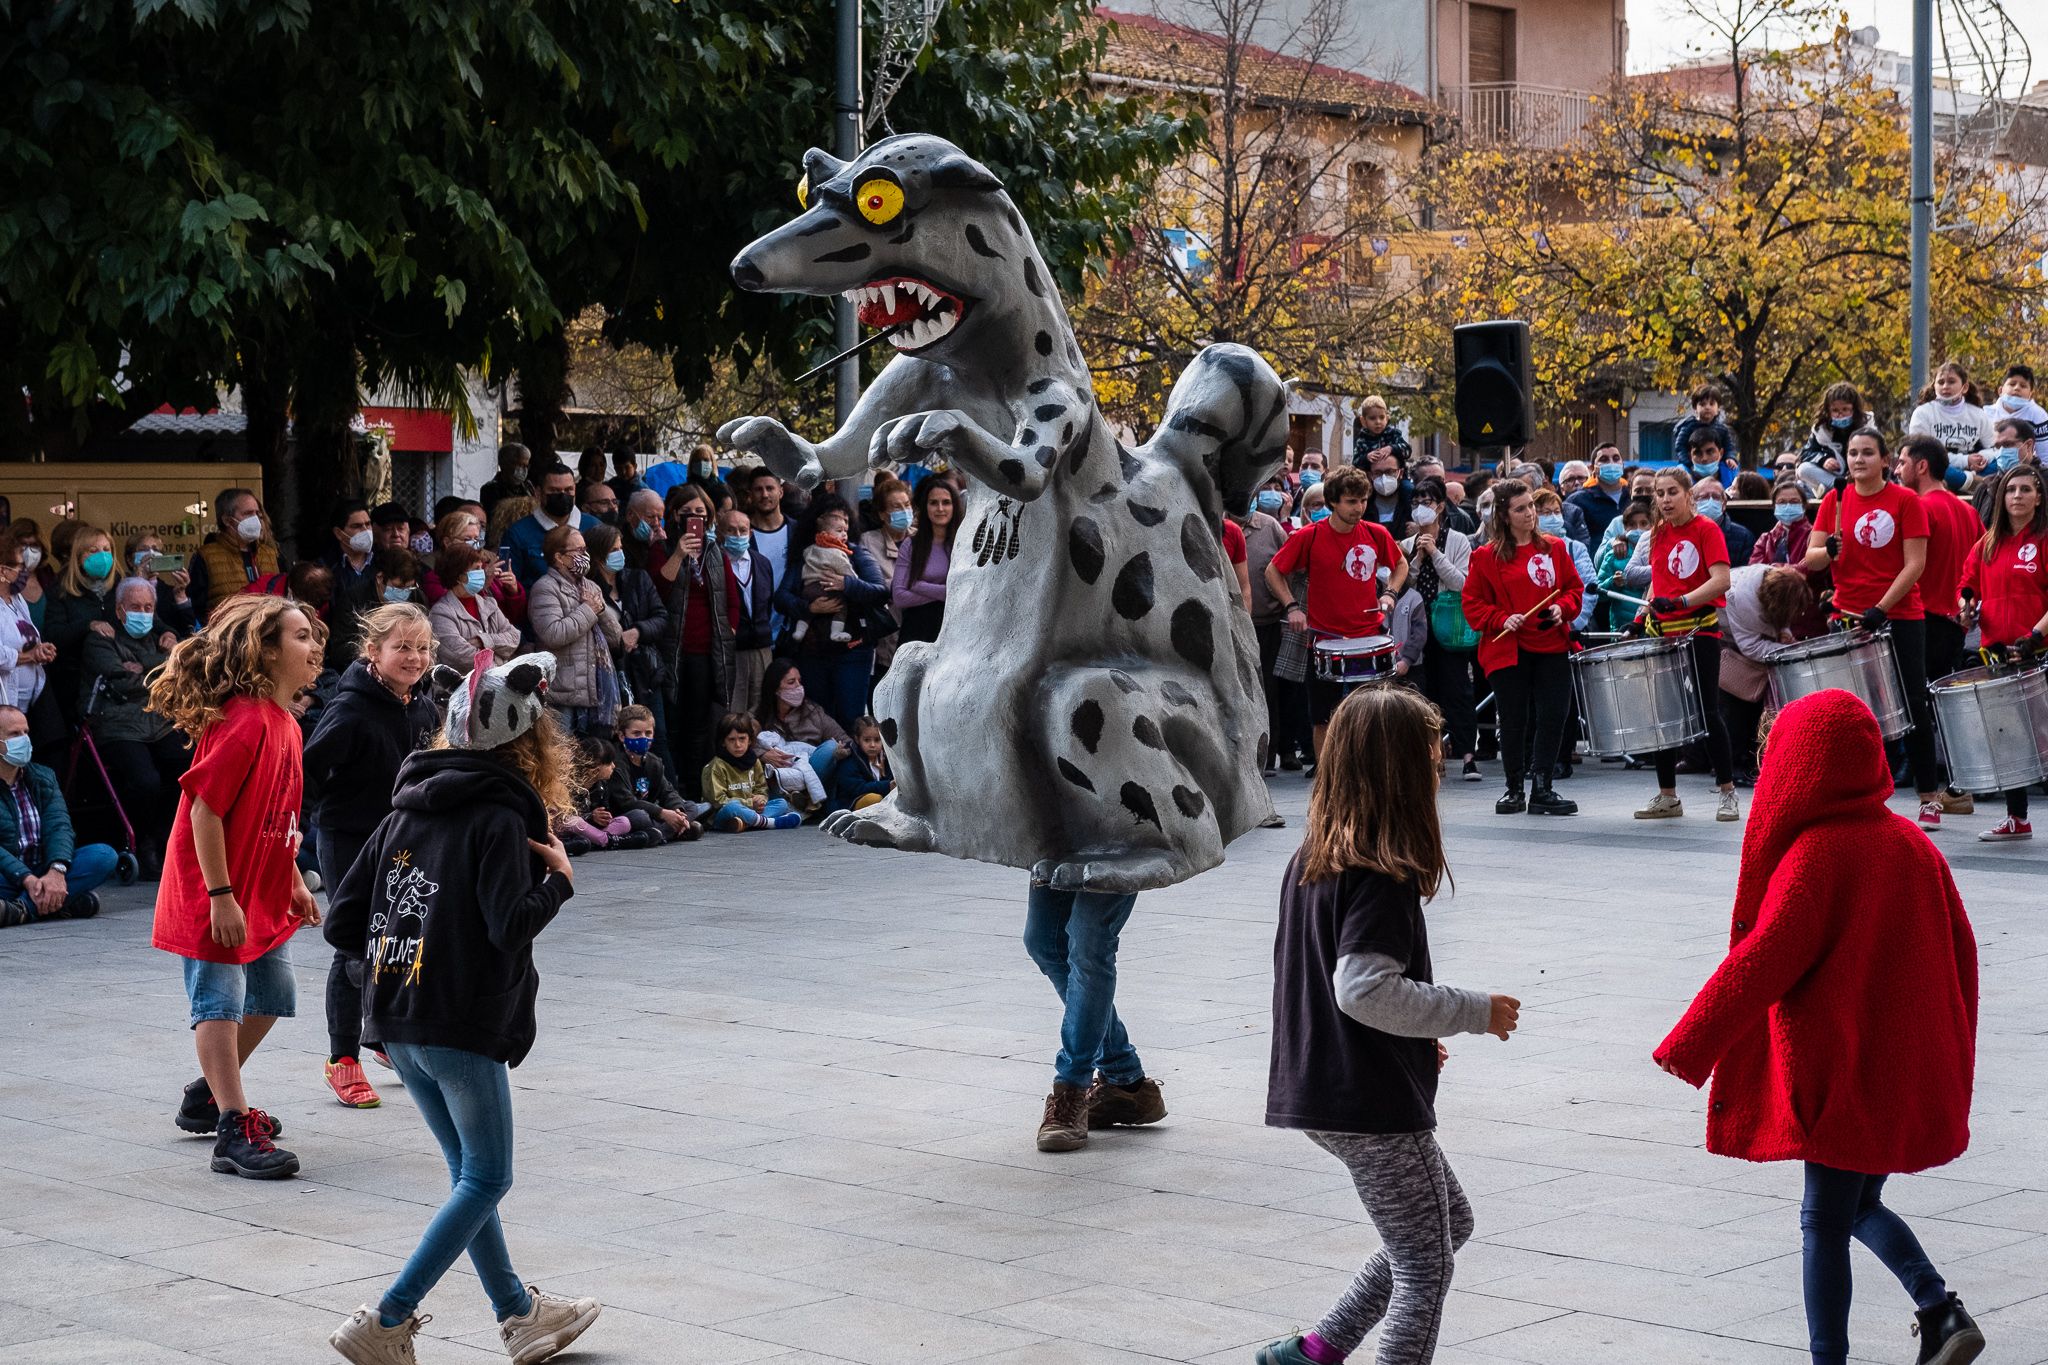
(1092, 708)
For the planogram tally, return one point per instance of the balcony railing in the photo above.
(1508, 113)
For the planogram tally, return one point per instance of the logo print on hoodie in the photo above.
(407, 895)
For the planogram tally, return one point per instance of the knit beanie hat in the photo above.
(496, 704)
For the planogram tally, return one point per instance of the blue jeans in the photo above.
(466, 1099)
(1839, 1205)
(839, 682)
(91, 865)
(748, 816)
(1072, 936)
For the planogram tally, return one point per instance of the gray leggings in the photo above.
(1422, 1217)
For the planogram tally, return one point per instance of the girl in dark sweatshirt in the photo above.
(442, 908)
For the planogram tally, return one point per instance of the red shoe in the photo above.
(1930, 815)
(350, 1085)
(2007, 829)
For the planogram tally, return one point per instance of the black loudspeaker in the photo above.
(1496, 400)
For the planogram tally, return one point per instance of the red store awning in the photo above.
(420, 429)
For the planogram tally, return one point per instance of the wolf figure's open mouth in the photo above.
(930, 312)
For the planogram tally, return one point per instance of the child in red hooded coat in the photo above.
(1841, 1028)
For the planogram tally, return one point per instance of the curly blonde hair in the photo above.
(192, 688)
(547, 759)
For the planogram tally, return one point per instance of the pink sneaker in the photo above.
(1930, 815)
(2007, 830)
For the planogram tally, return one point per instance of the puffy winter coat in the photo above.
(580, 636)
(1841, 1027)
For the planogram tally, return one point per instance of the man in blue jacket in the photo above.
(42, 874)
(554, 503)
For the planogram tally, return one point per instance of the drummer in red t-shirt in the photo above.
(1521, 594)
(1688, 587)
(1344, 555)
(2005, 588)
(1874, 535)
(1952, 532)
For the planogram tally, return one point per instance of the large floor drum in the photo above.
(1994, 727)
(1639, 697)
(1854, 661)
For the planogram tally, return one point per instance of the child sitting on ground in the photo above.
(647, 776)
(862, 777)
(827, 566)
(595, 824)
(736, 782)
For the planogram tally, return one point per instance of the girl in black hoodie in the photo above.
(380, 713)
(441, 909)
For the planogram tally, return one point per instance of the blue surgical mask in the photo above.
(2004, 460)
(1610, 473)
(638, 745)
(393, 593)
(1311, 477)
(1635, 534)
(1320, 514)
(899, 520)
(1710, 508)
(642, 531)
(474, 581)
(1842, 423)
(1270, 500)
(735, 545)
(1551, 523)
(137, 623)
(97, 565)
(615, 561)
(19, 751)
(2011, 402)
(1711, 467)
(1788, 512)
(867, 492)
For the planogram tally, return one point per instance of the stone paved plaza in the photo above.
(784, 1095)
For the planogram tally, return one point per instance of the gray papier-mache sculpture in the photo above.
(1091, 710)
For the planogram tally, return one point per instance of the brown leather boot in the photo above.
(1110, 1106)
(1065, 1126)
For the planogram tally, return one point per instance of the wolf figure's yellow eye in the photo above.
(803, 191)
(879, 201)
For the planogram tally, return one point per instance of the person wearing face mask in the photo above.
(173, 588)
(640, 526)
(1949, 413)
(1785, 545)
(1439, 557)
(1610, 569)
(891, 501)
(466, 619)
(349, 556)
(1601, 501)
(1310, 472)
(143, 754)
(236, 554)
(570, 617)
(2016, 396)
(641, 655)
(718, 588)
(2012, 445)
(597, 499)
(24, 654)
(1710, 500)
(1842, 414)
(514, 463)
(800, 740)
(83, 604)
(393, 578)
(1389, 503)
(836, 671)
(1310, 506)
(1705, 456)
(554, 506)
(1551, 521)
(44, 873)
(34, 578)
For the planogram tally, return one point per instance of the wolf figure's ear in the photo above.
(962, 172)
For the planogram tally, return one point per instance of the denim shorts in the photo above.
(232, 991)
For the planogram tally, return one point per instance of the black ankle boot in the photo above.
(1544, 801)
(1948, 1334)
(1511, 802)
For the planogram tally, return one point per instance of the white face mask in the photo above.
(1425, 515)
(1385, 484)
(359, 543)
(249, 527)
(30, 557)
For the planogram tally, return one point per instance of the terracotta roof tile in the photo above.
(1145, 48)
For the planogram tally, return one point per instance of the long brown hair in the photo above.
(2002, 529)
(1374, 803)
(921, 538)
(1681, 477)
(191, 690)
(1500, 532)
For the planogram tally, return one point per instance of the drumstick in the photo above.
(1624, 597)
(1531, 612)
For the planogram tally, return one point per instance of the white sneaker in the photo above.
(1662, 807)
(551, 1324)
(365, 1339)
(312, 879)
(1728, 809)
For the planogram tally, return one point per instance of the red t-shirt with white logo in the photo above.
(1538, 574)
(1680, 557)
(1874, 533)
(248, 769)
(1952, 532)
(2013, 587)
(1343, 576)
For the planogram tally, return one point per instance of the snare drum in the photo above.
(1639, 696)
(1349, 662)
(1994, 726)
(1854, 661)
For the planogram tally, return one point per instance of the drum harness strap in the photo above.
(1707, 619)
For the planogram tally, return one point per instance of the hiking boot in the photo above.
(198, 1113)
(2006, 830)
(346, 1079)
(1286, 1351)
(1511, 802)
(1948, 1335)
(1957, 803)
(364, 1338)
(576, 846)
(84, 905)
(243, 1147)
(1662, 807)
(1544, 801)
(1130, 1106)
(13, 912)
(1728, 808)
(1930, 815)
(551, 1324)
(1065, 1125)
(1471, 771)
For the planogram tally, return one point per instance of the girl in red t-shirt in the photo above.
(231, 896)
(1521, 594)
(1688, 587)
(1873, 534)
(2005, 592)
